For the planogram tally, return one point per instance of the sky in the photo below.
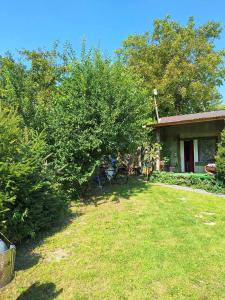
(103, 23)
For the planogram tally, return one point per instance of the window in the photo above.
(207, 149)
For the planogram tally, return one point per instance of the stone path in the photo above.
(186, 188)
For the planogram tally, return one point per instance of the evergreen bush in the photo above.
(28, 202)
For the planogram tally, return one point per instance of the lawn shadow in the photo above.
(26, 256)
(37, 291)
(117, 192)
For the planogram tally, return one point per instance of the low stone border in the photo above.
(187, 188)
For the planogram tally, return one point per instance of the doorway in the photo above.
(189, 156)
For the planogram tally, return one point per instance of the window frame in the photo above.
(215, 138)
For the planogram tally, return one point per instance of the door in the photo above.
(189, 156)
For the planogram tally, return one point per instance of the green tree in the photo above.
(31, 84)
(100, 110)
(181, 62)
(88, 107)
(12, 83)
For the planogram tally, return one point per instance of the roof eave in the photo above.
(186, 122)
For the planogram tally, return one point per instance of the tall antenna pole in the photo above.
(155, 93)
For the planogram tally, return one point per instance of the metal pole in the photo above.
(156, 108)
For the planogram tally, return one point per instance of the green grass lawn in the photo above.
(135, 242)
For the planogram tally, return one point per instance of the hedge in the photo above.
(195, 180)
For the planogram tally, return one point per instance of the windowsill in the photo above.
(202, 163)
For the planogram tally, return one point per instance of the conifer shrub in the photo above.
(28, 202)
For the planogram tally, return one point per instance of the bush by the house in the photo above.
(89, 107)
(199, 181)
(28, 202)
(220, 157)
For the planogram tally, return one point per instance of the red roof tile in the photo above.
(191, 118)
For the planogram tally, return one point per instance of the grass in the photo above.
(135, 242)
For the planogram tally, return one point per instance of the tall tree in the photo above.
(100, 110)
(181, 62)
(88, 107)
(31, 84)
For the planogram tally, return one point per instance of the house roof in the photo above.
(191, 118)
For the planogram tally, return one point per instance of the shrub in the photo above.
(220, 157)
(89, 107)
(28, 203)
(200, 181)
(100, 111)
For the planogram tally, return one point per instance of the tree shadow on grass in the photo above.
(37, 291)
(26, 257)
(117, 192)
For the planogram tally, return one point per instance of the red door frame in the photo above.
(189, 155)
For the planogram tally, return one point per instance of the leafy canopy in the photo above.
(31, 84)
(89, 107)
(181, 62)
(100, 111)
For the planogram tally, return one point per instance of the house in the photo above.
(189, 141)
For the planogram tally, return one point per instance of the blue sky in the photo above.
(31, 24)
